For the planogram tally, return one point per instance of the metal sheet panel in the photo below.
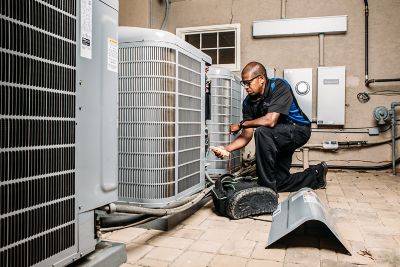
(331, 86)
(97, 119)
(299, 208)
(301, 82)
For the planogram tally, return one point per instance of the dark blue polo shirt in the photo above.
(277, 97)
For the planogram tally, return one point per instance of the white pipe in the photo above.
(306, 162)
(321, 49)
(283, 9)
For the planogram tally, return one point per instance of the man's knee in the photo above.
(263, 133)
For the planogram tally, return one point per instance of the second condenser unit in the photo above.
(226, 97)
(161, 117)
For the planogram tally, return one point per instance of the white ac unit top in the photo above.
(136, 34)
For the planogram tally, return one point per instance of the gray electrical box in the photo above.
(331, 95)
(270, 72)
(300, 81)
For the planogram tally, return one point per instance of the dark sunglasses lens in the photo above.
(244, 83)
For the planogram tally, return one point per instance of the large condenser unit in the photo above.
(49, 183)
(161, 117)
(226, 100)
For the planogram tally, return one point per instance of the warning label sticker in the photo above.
(112, 55)
(86, 29)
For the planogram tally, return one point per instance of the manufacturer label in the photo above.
(86, 29)
(331, 81)
(277, 211)
(112, 55)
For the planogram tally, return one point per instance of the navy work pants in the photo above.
(274, 151)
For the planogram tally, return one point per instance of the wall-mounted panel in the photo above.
(331, 95)
(301, 82)
(300, 26)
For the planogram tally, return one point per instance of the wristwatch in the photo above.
(241, 125)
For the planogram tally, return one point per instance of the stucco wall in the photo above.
(297, 52)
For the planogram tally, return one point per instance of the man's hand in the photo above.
(220, 152)
(234, 128)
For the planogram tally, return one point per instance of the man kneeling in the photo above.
(271, 110)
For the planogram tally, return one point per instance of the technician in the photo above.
(270, 110)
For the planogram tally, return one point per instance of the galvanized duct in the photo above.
(37, 131)
(161, 123)
(226, 97)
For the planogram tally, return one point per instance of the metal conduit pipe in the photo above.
(394, 122)
(166, 14)
(367, 80)
(306, 162)
(121, 220)
(354, 167)
(157, 212)
(366, 14)
(352, 144)
(283, 9)
(321, 37)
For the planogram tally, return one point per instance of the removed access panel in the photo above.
(301, 208)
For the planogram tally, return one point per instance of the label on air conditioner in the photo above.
(86, 29)
(112, 55)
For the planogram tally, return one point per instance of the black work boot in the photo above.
(320, 171)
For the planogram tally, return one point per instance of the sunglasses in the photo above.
(248, 82)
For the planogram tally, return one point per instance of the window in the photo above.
(220, 42)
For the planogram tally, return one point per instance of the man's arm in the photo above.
(268, 120)
(241, 141)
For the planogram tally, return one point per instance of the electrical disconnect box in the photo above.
(331, 96)
(301, 82)
(270, 72)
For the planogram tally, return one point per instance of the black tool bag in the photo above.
(240, 197)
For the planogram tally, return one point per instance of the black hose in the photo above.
(364, 168)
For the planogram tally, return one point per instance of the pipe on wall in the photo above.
(367, 80)
(283, 9)
(394, 122)
(306, 162)
(321, 37)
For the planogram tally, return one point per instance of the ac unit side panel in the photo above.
(97, 119)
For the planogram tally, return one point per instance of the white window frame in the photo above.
(182, 32)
